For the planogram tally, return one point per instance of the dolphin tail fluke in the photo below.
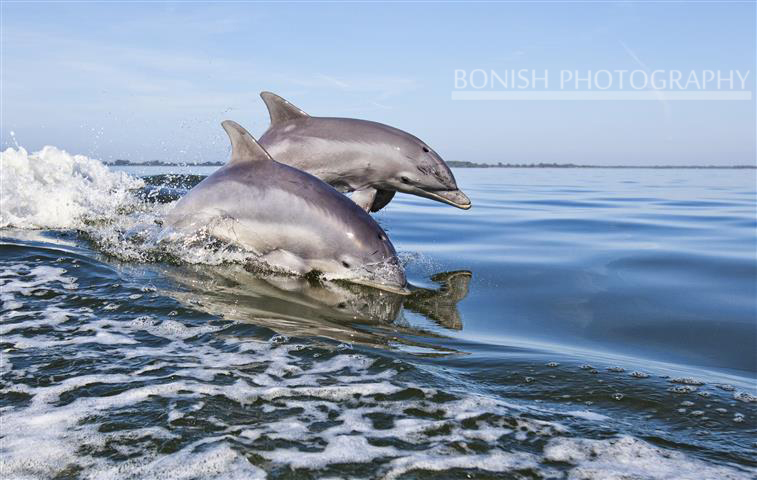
(244, 147)
(279, 109)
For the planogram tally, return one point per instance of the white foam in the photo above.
(340, 449)
(627, 457)
(493, 462)
(218, 461)
(54, 189)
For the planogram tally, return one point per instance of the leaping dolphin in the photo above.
(288, 218)
(371, 159)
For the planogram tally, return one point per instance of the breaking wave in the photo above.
(53, 189)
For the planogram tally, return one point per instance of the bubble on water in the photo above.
(686, 381)
(738, 417)
(687, 403)
(626, 457)
(745, 397)
(553, 364)
(683, 389)
(278, 339)
(721, 410)
(726, 387)
(529, 379)
(704, 394)
(616, 369)
(697, 413)
(638, 374)
(617, 396)
(586, 366)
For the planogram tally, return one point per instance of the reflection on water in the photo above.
(297, 306)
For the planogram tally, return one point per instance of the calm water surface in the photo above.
(573, 324)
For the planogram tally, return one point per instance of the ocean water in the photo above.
(574, 324)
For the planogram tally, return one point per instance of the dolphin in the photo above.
(371, 159)
(288, 218)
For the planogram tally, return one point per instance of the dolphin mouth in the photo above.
(456, 198)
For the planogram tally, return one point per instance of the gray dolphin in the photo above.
(288, 218)
(371, 159)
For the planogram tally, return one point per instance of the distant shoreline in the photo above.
(457, 164)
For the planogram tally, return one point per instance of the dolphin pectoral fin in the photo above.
(372, 200)
(383, 197)
(279, 109)
(244, 148)
(364, 198)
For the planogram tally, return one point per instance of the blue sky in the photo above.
(153, 80)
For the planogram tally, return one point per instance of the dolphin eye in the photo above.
(425, 149)
(346, 265)
(405, 180)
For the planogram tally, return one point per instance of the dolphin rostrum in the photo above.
(288, 218)
(371, 159)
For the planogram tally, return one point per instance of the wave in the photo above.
(52, 189)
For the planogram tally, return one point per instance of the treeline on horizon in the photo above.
(451, 163)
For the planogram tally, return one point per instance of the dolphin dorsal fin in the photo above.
(279, 109)
(244, 148)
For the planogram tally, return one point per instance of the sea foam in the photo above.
(53, 189)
